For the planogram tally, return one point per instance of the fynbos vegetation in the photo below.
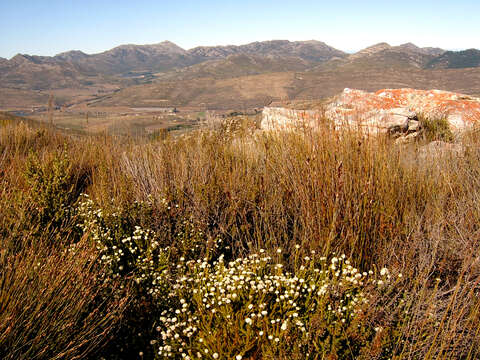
(228, 243)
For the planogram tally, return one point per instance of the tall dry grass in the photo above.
(53, 303)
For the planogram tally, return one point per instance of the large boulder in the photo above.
(388, 110)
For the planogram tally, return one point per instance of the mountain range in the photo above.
(77, 68)
(146, 74)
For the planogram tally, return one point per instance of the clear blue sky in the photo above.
(47, 27)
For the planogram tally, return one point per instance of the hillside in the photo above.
(40, 72)
(27, 98)
(225, 77)
(230, 93)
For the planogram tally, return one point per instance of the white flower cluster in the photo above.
(256, 303)
(138, 256)
(190, 242)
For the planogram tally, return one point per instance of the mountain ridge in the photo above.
(212, 74)
(154, 58)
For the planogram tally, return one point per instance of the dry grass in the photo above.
(53, 303)
(331, 192)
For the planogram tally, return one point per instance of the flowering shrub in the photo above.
(251, 306)
(210, 308)
(140, 257)
(127, 250)
(132, 255)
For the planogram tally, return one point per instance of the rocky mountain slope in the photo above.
(238, 65)
(384, 56)
(125, 58)
(315, 51)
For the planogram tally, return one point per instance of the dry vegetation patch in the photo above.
(179, 220)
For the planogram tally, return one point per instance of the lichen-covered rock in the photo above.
(277, 118)
(388, 110)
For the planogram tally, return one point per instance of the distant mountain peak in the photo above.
(409, 45)
(168, 44)
(72, 52)
(370, 50)
(380, 45)
(21, 58)
(311, 42)
(425, 50)
(72, 55)
(166, 47)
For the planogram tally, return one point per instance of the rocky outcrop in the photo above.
(386, 111)
(278, 118)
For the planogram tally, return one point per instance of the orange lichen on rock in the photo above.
(460, 110)
(382, 111)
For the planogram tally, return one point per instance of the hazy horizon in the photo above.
(51, 27)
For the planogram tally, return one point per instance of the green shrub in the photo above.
(52, 188)
(436, 129)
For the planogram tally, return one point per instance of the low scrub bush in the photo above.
(51, 188)
(435, 129)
